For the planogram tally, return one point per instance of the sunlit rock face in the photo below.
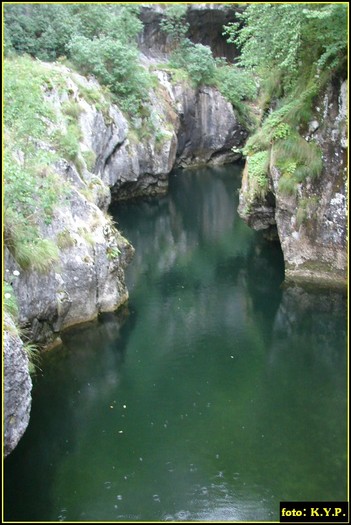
(311, 225)
(88, 278)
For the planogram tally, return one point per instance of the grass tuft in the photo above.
(39, 254)
(10, 301)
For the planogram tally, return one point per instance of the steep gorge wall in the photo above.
(115, 161)
(188, 127)
(192, 127)
(311, 225)
(17, 387)
(205, 21)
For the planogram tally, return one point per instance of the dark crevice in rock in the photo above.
(147, 185)
(205, 21)
(103, 162)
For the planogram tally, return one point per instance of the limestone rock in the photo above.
(114, 161)
(191, 127)
(89, 277)
(208, 127)
(311, 224)
(17, 387)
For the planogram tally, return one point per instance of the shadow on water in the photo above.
(90, 358)
(216, 394)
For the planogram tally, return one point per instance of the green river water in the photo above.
(216, 393)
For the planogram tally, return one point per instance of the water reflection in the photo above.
(217, 394)
(175, 226)
(65, 397)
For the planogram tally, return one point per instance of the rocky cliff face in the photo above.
(118, 161)
(205, 21)
(17, 387)
(311, 225)
(208, 127)
(191, 127)
(88, 278)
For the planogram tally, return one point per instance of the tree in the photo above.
(45, 31)
(41, 31)
(200, 64)
(115, 65)
(174, 24)
(291, 38)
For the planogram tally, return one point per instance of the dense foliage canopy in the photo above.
(101, 39)
(98, 39)
(295, 50)
(294, 39)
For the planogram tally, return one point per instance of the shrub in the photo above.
(86, 235)
(306, 156)
(174, 23)
(38, 254)
(45, 30)
(32, 189)
(64, 239)
(33, 355)
(72, 109)
(90, 94)
(114, 65)
(200, 64)
(42, 31)
(235, 84)
(90, 159)
(68, 143)
(113, 252)
(258, 173)
(306, 48)
(282, 131)
(287, 184)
